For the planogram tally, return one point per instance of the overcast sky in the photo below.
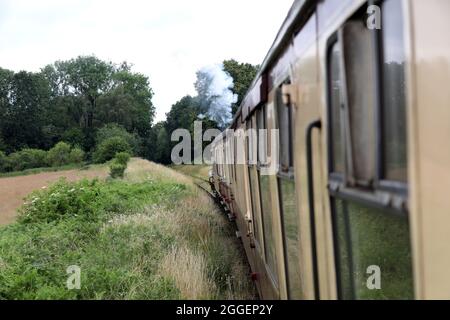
(166, 40)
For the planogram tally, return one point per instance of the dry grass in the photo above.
(142, 170)
(189, 271)
(206, 261)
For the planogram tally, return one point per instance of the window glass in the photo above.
(262, 142)
(368, 237)
(335, 100)
(291, 237)
(394, 104)
(269, 243)
(359, 65)
(254, 197)
(285, 133)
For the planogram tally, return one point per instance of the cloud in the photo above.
(166, 40)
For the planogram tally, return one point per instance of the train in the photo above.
(345, 194)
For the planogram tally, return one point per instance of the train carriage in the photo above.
(357, 206)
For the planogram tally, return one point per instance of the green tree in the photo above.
(133, 95)
(108, 149)
(162, 147)
(114, 130)
(24, 100)
(59, 155)
(243, 75)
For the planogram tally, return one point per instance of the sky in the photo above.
(167, 40)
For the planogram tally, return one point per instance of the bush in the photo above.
(117, 169)
(4, 163)
(114, 130)
(60, 201)
(122, 157)
(74, 136)
(27, 159)
(108, 149)
(76, 155)
(59, 155)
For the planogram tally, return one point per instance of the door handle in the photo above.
(317, 124)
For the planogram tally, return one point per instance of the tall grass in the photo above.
(153, 235)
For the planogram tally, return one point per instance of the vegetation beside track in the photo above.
(151, 235)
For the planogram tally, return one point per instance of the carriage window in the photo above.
(284, 113)
(367, 231)
(286, 187)
(337, 154)
(266, 207)
(367, 238)
(394, 104)
(265, 192)
(290, 220)
(262, 139)
(253, 180)
(359, 74)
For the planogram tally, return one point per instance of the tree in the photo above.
(85, 77)
(114, 130)
(23, 106)
(162, 146)
(243, 75)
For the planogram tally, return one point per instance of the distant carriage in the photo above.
(358, 206)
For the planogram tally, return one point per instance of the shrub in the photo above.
(122, 157)
(27, 159)
(108, 149)
(114, 130)
(117, 169)
(74, 136)
(4, 163)
(76, 155)
(59, 155)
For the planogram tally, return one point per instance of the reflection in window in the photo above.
(254, 197)
(284, 113)
(335, 97)
(269, 241)
(291, 237)
(394, 104)
(369, 237)
(359, 57)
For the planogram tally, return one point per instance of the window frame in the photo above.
(288, 175)
(252, 169)
(388, 196)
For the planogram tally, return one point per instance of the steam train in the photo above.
(356, 205)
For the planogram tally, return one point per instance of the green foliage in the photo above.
(117, 169)
(243, 75)
(76, 155)
(120, 233)
(4, 163)
(59, 155)
(69, 101)
(162, 145)
(108, 149)
(122, 157)
(114, 130)
(24, 96)
(73, 136)
(27, 159)
(119, 164)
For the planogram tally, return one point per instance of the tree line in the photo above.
(189, 109)
(85, 102)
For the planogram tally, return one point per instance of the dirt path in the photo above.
(14, 190)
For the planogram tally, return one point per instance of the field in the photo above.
(152, 235)
(14, 189)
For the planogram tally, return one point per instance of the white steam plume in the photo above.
(214, 92)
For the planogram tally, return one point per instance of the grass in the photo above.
(195, 171)
(28, 172)
(152, 235)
